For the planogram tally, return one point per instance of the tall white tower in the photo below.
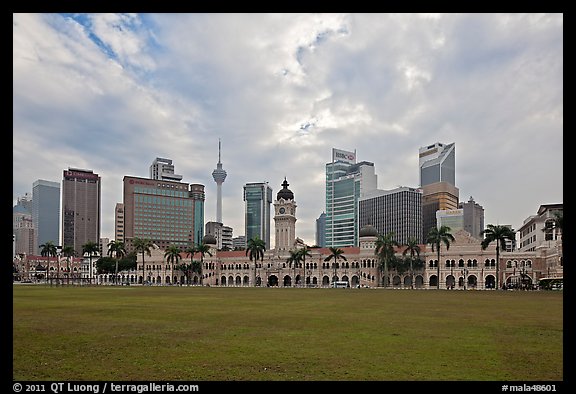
(219, 175)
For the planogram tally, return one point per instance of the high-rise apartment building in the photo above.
(346, 182)
(321, 230)
(45, 213)
(437, 163)
(164, 212)
(258, 200)
(473, 218)
(81, 204)
(239, 242)
(223, 235)
(23, 226)
(119, 222)
(163, 169)
(398, 211)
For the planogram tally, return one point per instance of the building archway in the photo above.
(450, 282)
(272, 280)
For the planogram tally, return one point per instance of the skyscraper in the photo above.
(437, 163)
(398, 211)
(81, 202)
(258, 198)
(219, 175)
(198, 197)
(164, 212)
(346, 182)
(321, 230)
(23, 226)
(163, 169)
(45, 213)
(473, 217)
(119, 222)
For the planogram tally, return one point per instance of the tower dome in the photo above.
(209, 239)
(368, 231)
(285, 193)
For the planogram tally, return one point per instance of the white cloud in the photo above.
(110, 92)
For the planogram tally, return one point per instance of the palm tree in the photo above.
(436, 237)
(385, 244)
(335, 253)
(190, 252)
(196, 267)
(203, 249)
(556, 223)
(255, 250)
(413, 248)
(172, 255)
(91, 248)
(559, 220)
(499, 234)
(304, 252)
(68, 251)
(48, 249)
(142, 245)
(293, 260)
(116, 249)
(186, 268)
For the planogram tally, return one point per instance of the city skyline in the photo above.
(111, 92)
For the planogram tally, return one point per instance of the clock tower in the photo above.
(285, 219)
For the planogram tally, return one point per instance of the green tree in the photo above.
(68, 251)
(172, 255)
(436, 237)
(413, 248)
(498, 234)
(46, 250)
(196, 267)
(335, 254)
(556, 223)
(92, 249)
(142, 245)
(255, 251)
(203, 249)
(105, 265)
(304, 252)
(116, 249)
(385, 244)
(128, 262)
(188, 268)
(293, 260)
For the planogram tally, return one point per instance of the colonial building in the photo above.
(464, 265)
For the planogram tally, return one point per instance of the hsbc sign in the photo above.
(342, 155)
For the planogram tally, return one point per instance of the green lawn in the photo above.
(275, 334)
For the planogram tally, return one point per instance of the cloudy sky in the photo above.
(111, 92)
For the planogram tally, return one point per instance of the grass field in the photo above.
(285, 334)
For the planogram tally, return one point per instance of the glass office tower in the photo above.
(346, 182)
(258, 198)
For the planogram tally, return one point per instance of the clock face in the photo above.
(281, 210)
